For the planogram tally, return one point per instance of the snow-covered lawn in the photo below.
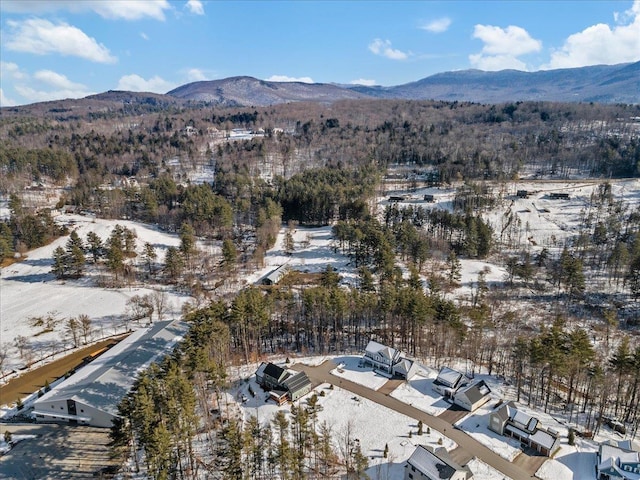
(575, 462)
(313, 251)
(419, 393)
(373, 425)
(477, 426)
(350, 368)
(28, 289)
(482, 471)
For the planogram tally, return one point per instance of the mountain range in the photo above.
(601, 84)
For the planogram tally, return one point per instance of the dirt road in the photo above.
(470, 446)
(32, 381)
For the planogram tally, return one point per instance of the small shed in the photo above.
(429, 198)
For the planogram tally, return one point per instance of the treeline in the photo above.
(460, 140)
(26, 229)
(320, 196)
(39, 163)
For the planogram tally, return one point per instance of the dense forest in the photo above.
(562, 327)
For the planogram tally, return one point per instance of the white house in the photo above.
(618, 460)
(381, 357)
(473, 396)
(448, 381)
(508, 420)
(92, 394)
(426, 463)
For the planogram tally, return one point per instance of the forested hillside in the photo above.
(562, 324)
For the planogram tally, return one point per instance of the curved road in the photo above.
(321, 374)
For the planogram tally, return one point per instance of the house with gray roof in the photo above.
(473, 396)
(283, 385)
(448, 381)
(91, 395)
(426, 463)
(508, 420)
(617, 461)
(389, 360)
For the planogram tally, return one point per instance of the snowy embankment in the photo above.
(28, 289)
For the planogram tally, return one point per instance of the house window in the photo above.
(60, 408)
(81, 411)
(410, 475)
(52, 406)
(413, 469)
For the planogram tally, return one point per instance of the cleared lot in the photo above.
(56, 452)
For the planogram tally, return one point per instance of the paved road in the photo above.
(470, 446)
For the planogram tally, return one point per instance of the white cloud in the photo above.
(437, 26)
(285, 78)
(196, 75)
(502, 47)
(144, 36)
(601, 44)
(57, 80)
(195, 7)
(383, 48)
(32, 95)
(121, 9)
(41, 37)
(11, 70)
(363, 81)
(135, 83)
(492, 63)
(6, 101)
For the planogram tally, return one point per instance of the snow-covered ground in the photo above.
(28, 289)
(313, 251)
(350, 368)
(419, 393)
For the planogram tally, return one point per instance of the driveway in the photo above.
(468, 447)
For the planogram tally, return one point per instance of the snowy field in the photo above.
(313, 251)
(28, 289)
(373, 425)
(350, 368)
(419, 393)
(477, 426)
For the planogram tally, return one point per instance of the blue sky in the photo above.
(53, 49)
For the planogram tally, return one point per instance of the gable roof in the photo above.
(389, 353)
(104, 382)
(448, 376)
(297, 382)
(274, 371)
(435, 464)
(475, 392)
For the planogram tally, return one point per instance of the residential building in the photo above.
(91, 395)
(473, 396)
(381, 357)
(617, 460)
(426, 463)
(448, 381)
(508, 420)
(282, 385)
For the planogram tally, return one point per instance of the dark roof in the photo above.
(297, 382)
(274, 371)
(476, 392)
(437, 464)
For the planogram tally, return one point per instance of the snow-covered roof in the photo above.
(448, 376)
(377, 348)
(104, 382)
(523, 420)
(543, 438)
(435, 464)
(404, 366)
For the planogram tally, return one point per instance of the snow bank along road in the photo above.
(321, 374)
